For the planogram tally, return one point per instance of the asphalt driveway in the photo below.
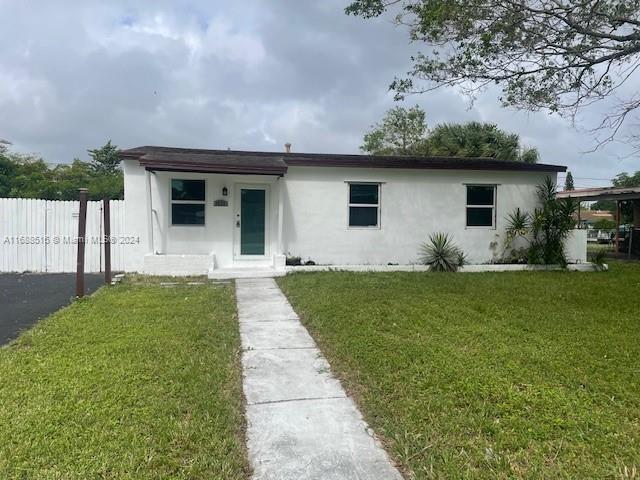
(25, 298)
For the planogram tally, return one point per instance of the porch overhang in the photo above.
(202, 163)
(605, 193)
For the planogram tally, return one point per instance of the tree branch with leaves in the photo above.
(554, 55)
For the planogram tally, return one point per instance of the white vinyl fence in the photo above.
(41, 235)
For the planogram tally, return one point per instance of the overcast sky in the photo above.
(248, 75)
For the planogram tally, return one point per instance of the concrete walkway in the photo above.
(301, 424)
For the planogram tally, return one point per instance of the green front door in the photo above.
(252, 221)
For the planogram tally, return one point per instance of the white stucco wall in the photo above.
(414, 203)
(576, 246)
(215, 237)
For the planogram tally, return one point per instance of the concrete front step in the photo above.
(177, 265)
(231, 273)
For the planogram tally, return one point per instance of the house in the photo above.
(195, 211)
(587, 218)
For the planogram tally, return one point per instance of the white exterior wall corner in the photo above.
(414, 204)
(136, 214)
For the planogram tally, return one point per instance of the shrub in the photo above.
(549, 225)
(604, 224)
(441, 254)
(598, 257)
(293, 261)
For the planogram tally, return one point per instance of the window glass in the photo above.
(477, 214)
(363, 194)
(480, 194)
(364, 204)
(479, 217)
(187, 190)
(187, 213)
(363, 216)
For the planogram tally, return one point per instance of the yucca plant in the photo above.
(441, 254)
(598, 258)
(517, 224)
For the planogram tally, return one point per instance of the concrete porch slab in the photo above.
(322, 439)
(294, 374)
(231, 273)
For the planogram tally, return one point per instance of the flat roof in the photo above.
(276, 163)
(602, 193)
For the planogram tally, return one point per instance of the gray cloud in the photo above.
(245, 75)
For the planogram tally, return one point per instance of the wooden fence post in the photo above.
(107, 241)
(82, 229)
(617, 227)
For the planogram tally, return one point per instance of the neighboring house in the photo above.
(587, 218)
(198, 211)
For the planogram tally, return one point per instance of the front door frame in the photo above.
(238, 187)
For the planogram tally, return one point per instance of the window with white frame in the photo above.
(364, 205)
(481, 206)
(187, 202)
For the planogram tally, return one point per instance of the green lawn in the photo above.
(139, 381)
(490, 375)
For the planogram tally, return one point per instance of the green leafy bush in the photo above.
(548, 226)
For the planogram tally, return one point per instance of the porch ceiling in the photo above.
(203, 163)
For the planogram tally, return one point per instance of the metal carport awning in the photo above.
(618, 194)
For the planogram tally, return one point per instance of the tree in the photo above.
(405, 132)
(474, 139)
(78, 174)
(30, 177)
(401, 132)
(7, 172)
(625, 180)
(556, 55)
(105, 160)
(568, 182)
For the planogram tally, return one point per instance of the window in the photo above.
(187, 202)
(481, 205)
(364, 205)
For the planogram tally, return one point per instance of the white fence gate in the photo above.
(41, 235)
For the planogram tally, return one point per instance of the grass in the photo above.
(488, 375)
(138, 381)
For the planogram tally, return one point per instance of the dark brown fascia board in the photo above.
(426, 164)
(129, 155)
(212, 168)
